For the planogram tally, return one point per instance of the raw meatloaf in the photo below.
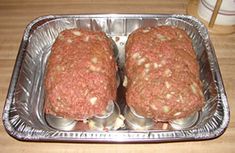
(162, 73)
(80, 77)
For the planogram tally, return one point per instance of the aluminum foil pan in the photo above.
(23, 115)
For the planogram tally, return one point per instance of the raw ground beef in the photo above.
(80, 76)
(162, 74)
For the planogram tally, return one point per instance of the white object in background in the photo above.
(226, 15)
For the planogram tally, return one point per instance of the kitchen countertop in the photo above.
(15, 15)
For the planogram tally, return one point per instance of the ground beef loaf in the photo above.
(162, 73)
(80, 76)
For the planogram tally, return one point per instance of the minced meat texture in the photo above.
(80, 76)
(162, 73)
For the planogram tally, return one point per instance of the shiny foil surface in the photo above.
(23, 115)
